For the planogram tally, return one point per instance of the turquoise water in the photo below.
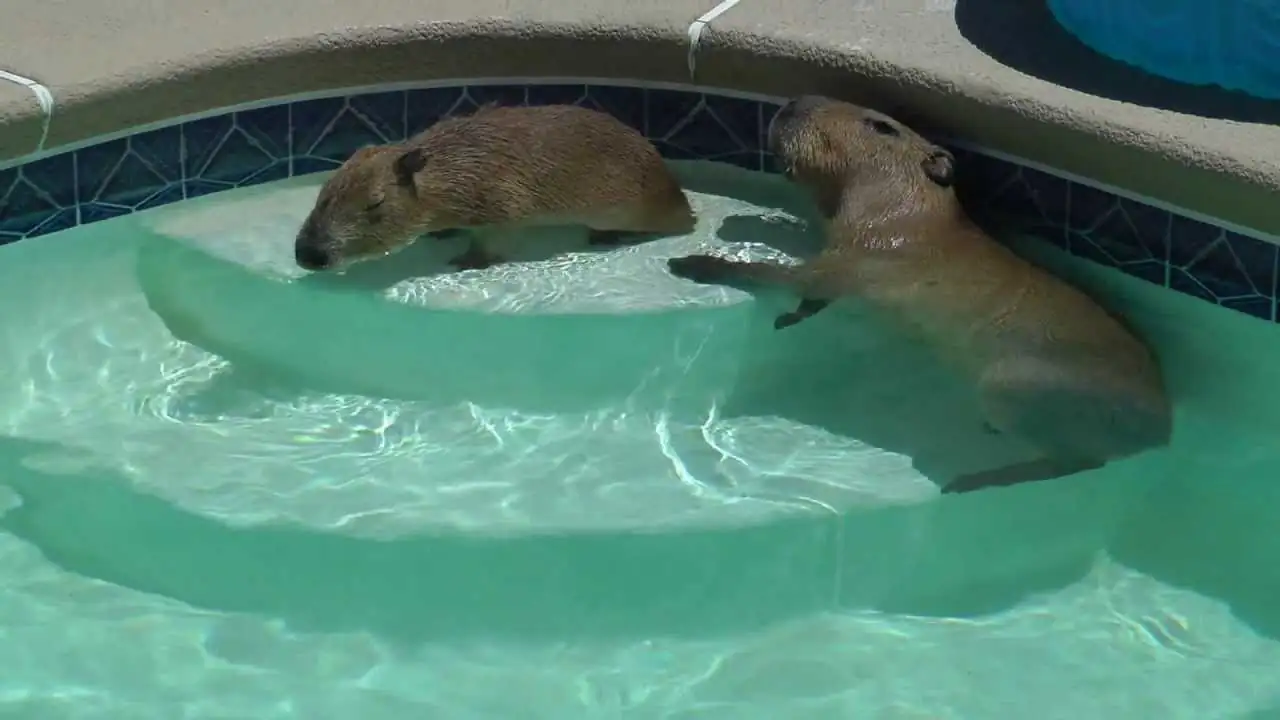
(577, 488)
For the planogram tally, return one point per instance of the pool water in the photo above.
(575, 487)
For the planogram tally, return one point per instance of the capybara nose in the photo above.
(310, 257)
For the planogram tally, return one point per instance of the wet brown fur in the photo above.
(1051, 366)
(500, 166)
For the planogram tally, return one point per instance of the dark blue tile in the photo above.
(330, 129)
(980, 180)
(1258, 259)
(94, 212)
(558, 95)
(505, 95)
(238, 159)
(425, 107)
(96, 166)
(628, 104)
(767, 111)
(134, 173)
(160, 150)
(669, 111)
(1229, 269)
(201, 140)
(275, 171)
(310, 121)
(705, 136)
(1050, 195)
(742, 119)
(1189, 239)
(235, 150)
(308, 165)
(1089, 206)
(1031, 201)
(384, 111)
(1123, 233)
(1150, 226)
(1259, 307)
(38, 198)
(55, 178)
(269, 128)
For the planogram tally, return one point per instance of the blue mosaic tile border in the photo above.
(247, 147)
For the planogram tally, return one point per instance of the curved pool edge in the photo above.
(136, 65)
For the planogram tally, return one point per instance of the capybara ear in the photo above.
(940, 167)
(410, 163)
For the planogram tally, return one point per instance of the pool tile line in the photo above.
(251, 146)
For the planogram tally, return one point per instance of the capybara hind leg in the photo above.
(1018, 473)
(1076, 421)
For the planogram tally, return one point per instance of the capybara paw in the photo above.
(786, 320)
(700, 268)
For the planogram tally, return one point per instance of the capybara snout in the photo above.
(359, 213)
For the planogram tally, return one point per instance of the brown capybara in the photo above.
(499, 166)
(1051, 366)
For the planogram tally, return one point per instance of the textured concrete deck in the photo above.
(995, 72)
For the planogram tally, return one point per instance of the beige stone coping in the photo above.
(988, 71)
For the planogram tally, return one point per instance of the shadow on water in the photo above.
(1025, 36)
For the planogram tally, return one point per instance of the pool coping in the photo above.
(112, 67)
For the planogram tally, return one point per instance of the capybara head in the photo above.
(828, 145)
(369, 207)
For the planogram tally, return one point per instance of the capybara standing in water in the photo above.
(1051, 366)
(500, 166)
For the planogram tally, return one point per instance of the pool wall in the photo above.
(99, 180)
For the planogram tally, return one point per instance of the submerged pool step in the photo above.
(353, 343)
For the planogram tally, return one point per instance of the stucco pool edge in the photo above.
(118, 66)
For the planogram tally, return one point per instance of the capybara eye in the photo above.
(882, 126)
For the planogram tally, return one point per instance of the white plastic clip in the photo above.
(695, 32)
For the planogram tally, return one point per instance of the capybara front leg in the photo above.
(807, 308)
(1018, 473)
